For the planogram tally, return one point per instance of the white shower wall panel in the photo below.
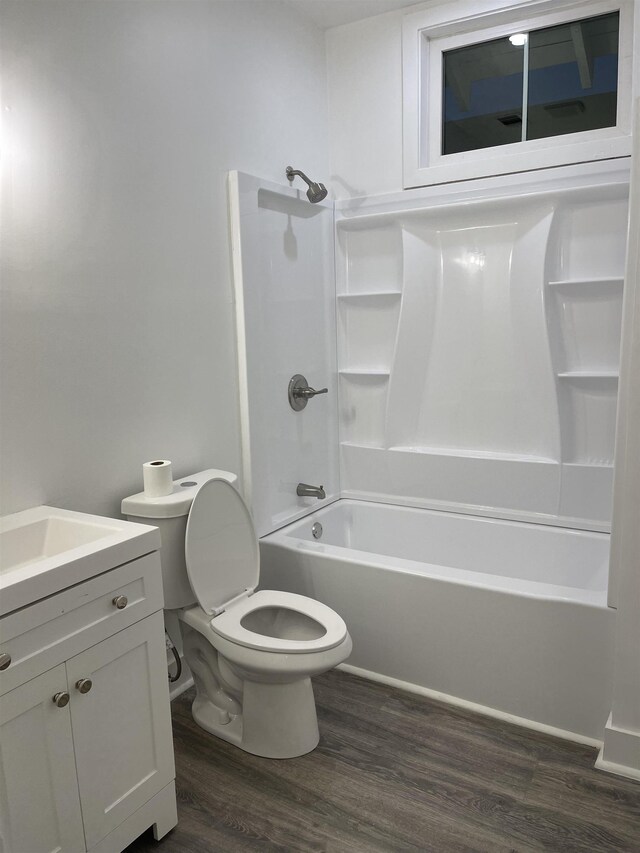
(479, 360)
(285, 293)
(487, 342)
(375, 260)
(590, 317)
(470, 483)
(367, 329)
(593, 237)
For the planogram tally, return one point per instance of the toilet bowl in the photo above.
(252, 653)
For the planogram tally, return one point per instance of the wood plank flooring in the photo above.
(397, 772)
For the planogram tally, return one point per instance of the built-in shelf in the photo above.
(589, 374)
(364, 372)
(371, 294)
(613, 281)
(587, 465)
(474, 454)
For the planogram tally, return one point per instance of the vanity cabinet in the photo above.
(85, 731)
(40, 804)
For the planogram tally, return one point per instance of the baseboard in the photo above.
(620, 752)
(456, 702)
(178, 687)
(616, 769)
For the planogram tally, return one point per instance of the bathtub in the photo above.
(505, 617)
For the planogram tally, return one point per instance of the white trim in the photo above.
(474, 707)
(621, 750)
(525, 90)
(616, 769)
(233, 183)
(427, 33)
(620, 745)
(581, 177)
(179, 687)
(625, 542)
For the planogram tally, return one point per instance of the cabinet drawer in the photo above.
(51, 631)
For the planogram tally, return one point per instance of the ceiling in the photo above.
(333, 13)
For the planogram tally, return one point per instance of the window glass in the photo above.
(482, 96)
(548, 82)
(573, 77)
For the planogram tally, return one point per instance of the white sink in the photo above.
(45, 549)
(46, 538)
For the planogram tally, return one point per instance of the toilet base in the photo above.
(277, 720)
(260, 701)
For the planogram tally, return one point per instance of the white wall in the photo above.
(364, 65)
(117, 316)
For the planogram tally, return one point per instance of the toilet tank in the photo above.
(169, 514)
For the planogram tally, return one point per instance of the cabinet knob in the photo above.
(61, 699)
(121, 601)
(84, 685)
(5, 660)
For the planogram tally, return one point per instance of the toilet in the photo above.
(252, 654)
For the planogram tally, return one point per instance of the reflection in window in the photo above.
(482, 96)
(573, 77)
(549, 82)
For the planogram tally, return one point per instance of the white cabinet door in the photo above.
(122, 725)
(39, 803)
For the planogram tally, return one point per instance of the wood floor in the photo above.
(397, 772)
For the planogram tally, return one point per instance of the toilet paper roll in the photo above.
(157, 478)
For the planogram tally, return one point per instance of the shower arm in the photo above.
(291, 173)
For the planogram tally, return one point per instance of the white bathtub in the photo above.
(507, 616)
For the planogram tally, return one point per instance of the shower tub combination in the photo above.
(469, 338)
(506, 617)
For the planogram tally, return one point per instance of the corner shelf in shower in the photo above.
(371, 294)
(465, 453)
(589, 374)
(591, 463)
(612, 281)
(365, 372)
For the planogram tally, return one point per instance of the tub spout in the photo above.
(304, 490)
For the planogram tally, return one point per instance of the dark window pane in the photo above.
(482, 96)
(573, 77)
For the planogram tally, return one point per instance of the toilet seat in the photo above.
(229, 623)
(223, 565)
(221, 548)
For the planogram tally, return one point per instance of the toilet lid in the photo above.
(221, 548)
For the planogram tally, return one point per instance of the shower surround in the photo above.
(469, 337)
(478, 351)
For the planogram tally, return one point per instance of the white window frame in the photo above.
(429, 33)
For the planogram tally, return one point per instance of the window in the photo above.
(523, 94)
(547, 82)
(483, 96)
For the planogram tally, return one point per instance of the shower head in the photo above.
(316, 192)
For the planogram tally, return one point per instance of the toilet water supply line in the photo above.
(176, 656)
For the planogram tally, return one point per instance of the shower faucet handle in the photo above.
(300, 392)
(309, 392)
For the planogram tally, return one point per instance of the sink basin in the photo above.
(45, 549)
(46, 538)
